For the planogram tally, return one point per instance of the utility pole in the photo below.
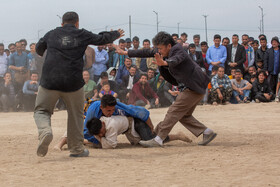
(39, 33)
(106, 27)
(178, 28)
(60, 18)
(205, 17)
(262, 19)
(130, 26)
(157, 19)
(260, 27)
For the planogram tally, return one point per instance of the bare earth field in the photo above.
(245, 153)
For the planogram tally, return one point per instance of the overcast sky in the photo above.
(25, 18)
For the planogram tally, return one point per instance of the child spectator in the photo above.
(106, 90)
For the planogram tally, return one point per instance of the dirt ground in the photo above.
(245, 153)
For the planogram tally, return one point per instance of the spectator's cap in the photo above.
(128, 40)
(275, 38)
(251, 39)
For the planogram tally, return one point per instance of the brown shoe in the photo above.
(207, 138)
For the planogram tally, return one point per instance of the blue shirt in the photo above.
(19, 60)
(94, 111)
(30, 89)
(215, 54)
(276, 62)
(122, 71)
(101, 59)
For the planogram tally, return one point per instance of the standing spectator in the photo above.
(250, 58)
(142, 94)
(272, 63)
(184, 38)
(216, 54)
(221, 90)
(3, 62)
(268, 45)
(175, 36)
(261, 53)
(128, 43)
(261, 89)
(30, 90)
(123, 70)
(7, 93)
(196, 41)
(135, 42)
(204, 48)
(36, 61)
(23, 45)
(225, 41)
(255, 45)
(7, 51)
(196, 55)
(277, 89)
(100, 65)
(12, 48)
(89, 60)
(241, 88)
(144, 63)
(120, 58)
(236, 55)
(111, 53)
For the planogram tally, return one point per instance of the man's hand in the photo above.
(159, 60)
(121, 33)
(220, 96)
(157, 101)
(221, 86)
(267, 96)
(119, 50)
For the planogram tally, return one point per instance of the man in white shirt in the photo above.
(107, 129)
(3, 62)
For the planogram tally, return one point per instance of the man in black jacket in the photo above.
(261, 90)
(272, 63)
(179, 69)
(196, 55)
(62, 78)
(236, 55)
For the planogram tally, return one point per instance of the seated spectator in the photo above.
(221, 90)
(241, 88)
(277, 89)
(259, 66)
(232, 74)
(261, 89)
(7, 93)
(151, 75)
(127, 84)
(196, 55)
(143, 64)
(90, 88)
(213, 73)
(105, 78)
(161, 89)
(111, 73)
(30, 90)
(142, 94)
(173, 92)
(251, 71)
(107, 90)
(123, 70)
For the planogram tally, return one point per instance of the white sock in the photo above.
(208, 131)
(158, 140)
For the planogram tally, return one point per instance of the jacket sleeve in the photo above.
(200, 60)
(266, 56)
(142, 53)
(103, 37)
(177, 58)
(41, 46)
(243, 58)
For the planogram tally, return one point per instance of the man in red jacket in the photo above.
(142, 94)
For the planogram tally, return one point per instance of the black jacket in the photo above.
(199, 58)
(66, 46)
(181, 69)
(125, 80)
(240, 58)
(260, 88)
(269, 60)
(260, 55)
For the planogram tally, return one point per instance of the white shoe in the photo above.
(150, 143)
(276, 99)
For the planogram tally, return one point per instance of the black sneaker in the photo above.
(207, 138)
(85, 153)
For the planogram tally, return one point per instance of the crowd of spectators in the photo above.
(240, 72)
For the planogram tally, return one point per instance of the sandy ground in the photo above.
(245, 153)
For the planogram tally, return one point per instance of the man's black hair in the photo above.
(246, 35)
(34, 72)
(184, 34)
(133, 66)
(235, 35)
(127, 58)
(217, 36)
(174, 34)
(215, 68)
(262, 72)
(196, 36)
(151, 69)
(32, 44)
(135, 38)
(144, 74)
(238, 71)
(252, 66)
(1, 44)
(226, 38)
(163, 38)
(70, 18)
(255, 42)
(23, 40)
(192, 45)
(146, 40)
(204, 43)
(221, 67)
(121, 41)
(11, 45)
(108, 100)
(263, 38)
(104, 74)
(94, 126)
